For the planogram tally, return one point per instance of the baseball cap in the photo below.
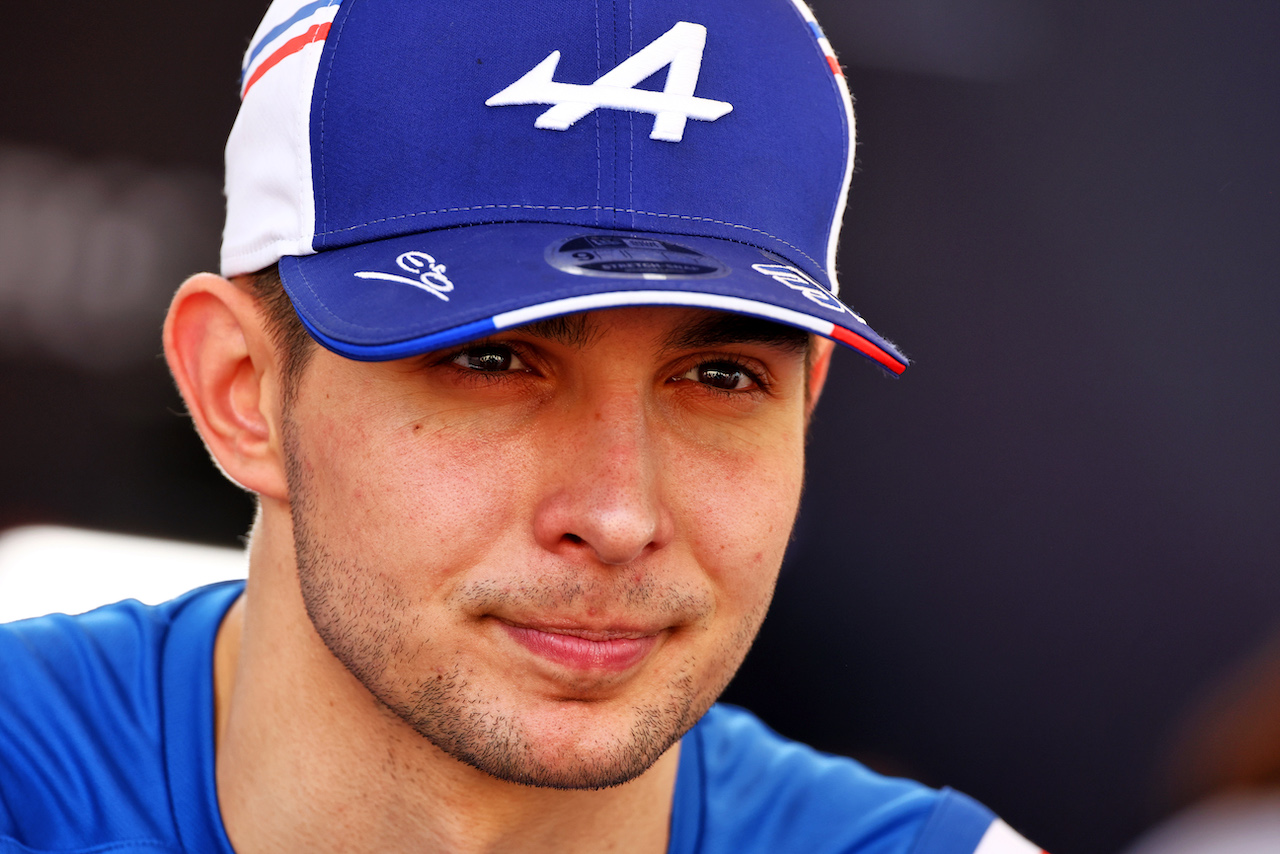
(426, 173)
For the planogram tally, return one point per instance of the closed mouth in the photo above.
(610, 650)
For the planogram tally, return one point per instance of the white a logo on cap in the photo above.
(679, 47)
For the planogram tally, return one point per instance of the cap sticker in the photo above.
(630, 256)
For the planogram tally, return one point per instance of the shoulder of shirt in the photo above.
(762, 792)
(82, 760)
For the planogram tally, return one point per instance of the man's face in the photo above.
(549, 551)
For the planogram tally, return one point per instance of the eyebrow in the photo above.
(720, 329)
(570, 330)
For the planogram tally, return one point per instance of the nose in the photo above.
(603, 493)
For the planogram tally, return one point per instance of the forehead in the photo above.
(672, 329)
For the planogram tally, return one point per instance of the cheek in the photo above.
(737, 505)
(422, 497)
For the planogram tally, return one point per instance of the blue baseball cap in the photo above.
(428, 173)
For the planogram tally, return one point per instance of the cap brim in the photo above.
(417, 293)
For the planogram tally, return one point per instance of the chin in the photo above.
(565, 744)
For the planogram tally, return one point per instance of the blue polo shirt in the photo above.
(106, 745)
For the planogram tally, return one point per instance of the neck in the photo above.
(307, 759)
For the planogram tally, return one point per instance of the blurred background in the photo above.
(1020, 569)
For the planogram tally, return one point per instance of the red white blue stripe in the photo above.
(827, 51)
(307, 25)
(610, 299)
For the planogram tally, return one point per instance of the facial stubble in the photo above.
(366, 620)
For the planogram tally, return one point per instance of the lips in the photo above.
(583, 649)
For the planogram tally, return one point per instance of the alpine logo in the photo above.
(430, 274)
(679, 47)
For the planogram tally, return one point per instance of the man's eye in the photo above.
(724, 376)
(490, 359)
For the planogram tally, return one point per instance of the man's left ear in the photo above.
(819, 364)
(223, 362)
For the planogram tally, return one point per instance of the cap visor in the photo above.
(416, 293)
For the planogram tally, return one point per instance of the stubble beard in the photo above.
(362, 618)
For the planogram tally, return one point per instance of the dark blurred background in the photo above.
(1017, 566)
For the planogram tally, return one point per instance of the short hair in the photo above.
(294, 345)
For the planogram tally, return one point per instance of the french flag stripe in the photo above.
(842, 86)
(1000, 838)
(317, 33)
(866, 348)
(821, 38)
(280, 29)
(617, 299)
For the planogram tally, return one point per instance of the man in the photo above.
(521, 515)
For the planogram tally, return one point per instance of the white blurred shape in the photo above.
(1238, 823)
(967, 39)
(46, 569)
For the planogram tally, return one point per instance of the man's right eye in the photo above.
(490, 358)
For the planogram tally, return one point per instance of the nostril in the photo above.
(574, 538)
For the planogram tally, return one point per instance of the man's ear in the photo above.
(224, 364)
(819, 363)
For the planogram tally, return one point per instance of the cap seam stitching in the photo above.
(324, 109)
(631, 127)
(614, 152)
(303, 173)
(306, 281)
(257, 245)
(599, 155)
